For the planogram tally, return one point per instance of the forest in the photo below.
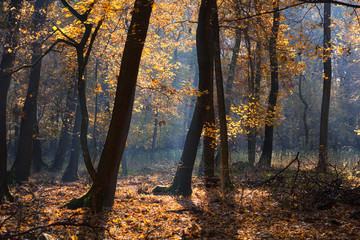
(143, 119)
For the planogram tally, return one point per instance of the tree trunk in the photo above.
(181, 184)
(38, 162)
(209, 139)
(251, 129)
(306, 107)
(154, 137)
(103, 189)
(325, 105)
(232, 68)
(95, 152)
(71, 172)
(224, 146)
(67, 119)
(265, 159)
(7, 63)
(23, 160)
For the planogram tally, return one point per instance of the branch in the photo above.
(264, 13)
(92, 40)
(333, 2)
(79, 16)
(282, 170)
(82, 17)
(40, 58)
(64, 34)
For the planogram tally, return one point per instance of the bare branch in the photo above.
(62, 33)
(40, 58)
(73, 11)
(92, 40)
(333, 2)
(82, 17)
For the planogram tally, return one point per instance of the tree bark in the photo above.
(71, 172)
(265, 159)
(102, 192)
(38, 162)
(208, 151)
(224, 146)
(181, 184)
(232, 68)
(306, 108)
(67, 119)
(23, 160)
(7, 63)
(325, 105)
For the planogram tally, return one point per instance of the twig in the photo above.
(282, 170)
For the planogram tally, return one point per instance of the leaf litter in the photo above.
(246, 213)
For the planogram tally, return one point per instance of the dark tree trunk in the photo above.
(224, 146)
(251, 129)
(95, 151)
(306, 107)
(325, 105)
(67, 119)
(209, 140)
(254, 99)
(7, 63)
(103, 189)
(265, 159)
(193, 99)
(71, 172)
(23, 160)
(124, 169)
(38, 162)
(83, 54)
(231, 74)
(181, 184)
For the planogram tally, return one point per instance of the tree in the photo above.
(67, 119)
(325, 104)
(102, 192)
(181, 184)
(6, 65)
(265, 159)
(23, 160)
(71, 171)
(224, 146)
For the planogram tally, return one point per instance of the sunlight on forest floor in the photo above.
(248, 213)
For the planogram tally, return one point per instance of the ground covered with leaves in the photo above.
(253, 211)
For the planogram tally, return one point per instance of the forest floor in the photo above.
(250, 212)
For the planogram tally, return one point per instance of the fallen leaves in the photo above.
(136, 214)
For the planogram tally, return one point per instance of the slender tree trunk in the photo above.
(232, 68)
(181, 184)
(124, 169)
(95, 114)
(38, 162)
(103, 189)
(208, 151)
(224, 146)
(23, 160)
(7, 63)
(71, 172)
(154, 137)
(251, 129)
(84, 113)
(306, 107)
(265, 159)
(67, 119)
(325, 105)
